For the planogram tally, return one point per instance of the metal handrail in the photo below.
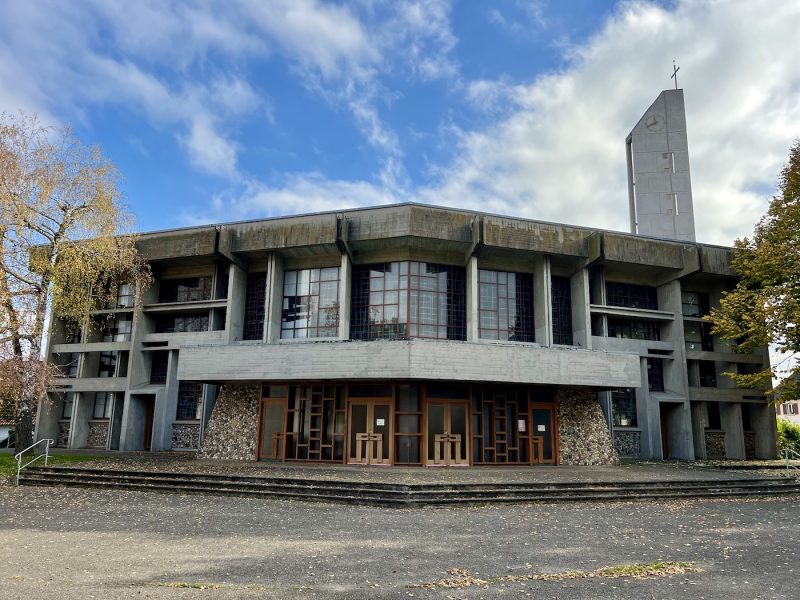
(46, 455)
(788, 452)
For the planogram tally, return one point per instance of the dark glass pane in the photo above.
(254, 303)
(435, 426)
(631, 296)
(382, 424)
(458, 426)
(561, 293)
(370, 390)
(541, 425)
(408, 398)
(358, 424)
(451, 392)
(407, 449)
(408, 424)
(158, 367)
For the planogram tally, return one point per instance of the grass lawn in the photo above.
(8, 465)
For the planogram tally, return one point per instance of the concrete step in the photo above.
(376, 493)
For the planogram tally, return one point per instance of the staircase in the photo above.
(404, 495)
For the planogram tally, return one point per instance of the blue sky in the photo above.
(217, 111)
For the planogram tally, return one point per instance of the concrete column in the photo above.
(762, 419)
(165, 407)
(676, 378)
(48, 416)
(699, 421)
(274, 299)
(649, 414)
(542, 301)
(82, 410)
(473, 310)
(581, 318)
(237, 291)
(730, 414)
(345, 287)
(679, 429)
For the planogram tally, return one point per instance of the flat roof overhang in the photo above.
(410, 360)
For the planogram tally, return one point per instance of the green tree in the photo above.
(764, 308)
(63, 245)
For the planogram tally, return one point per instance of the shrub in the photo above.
(788, 435)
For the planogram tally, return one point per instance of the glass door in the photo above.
(273, 426)
(447, 439)
(370, 432)
(543, 436)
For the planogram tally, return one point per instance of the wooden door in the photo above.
(149, 412)
(543, 433)
(369, 437)
(447, 437)
(664, 432)
(272, 428)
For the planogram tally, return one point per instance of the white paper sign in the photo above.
(380, 422)
(541, 428)
(521, 425)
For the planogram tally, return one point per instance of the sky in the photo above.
(221, 111)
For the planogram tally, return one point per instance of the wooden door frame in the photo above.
(551, 406)
(261, 404)
(149, 421)
(446, 402)
(370, 403)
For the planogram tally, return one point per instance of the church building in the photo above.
(421, 335)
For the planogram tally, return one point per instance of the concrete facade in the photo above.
(606, 350)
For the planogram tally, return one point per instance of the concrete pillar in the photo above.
(649, 417)
(676, 378)
(237, 292)
(699, 421)
(48, 416)
(542, 301)
(82, 410)
(763, 421)
(274, 299)
(679, 428)
(473, 289)
(166, 407)
(345, 286)
(581, 318)
(730, 415)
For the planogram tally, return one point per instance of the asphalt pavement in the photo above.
(65, 544)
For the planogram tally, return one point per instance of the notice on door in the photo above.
(541, 428)
(380, 422)
(521, 425)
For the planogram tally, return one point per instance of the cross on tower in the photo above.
(675, 74)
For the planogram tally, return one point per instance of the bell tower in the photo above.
(659, 185)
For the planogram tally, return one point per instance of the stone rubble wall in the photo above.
(628, 443)
(185, 436)
(583, 436)
(232, 432)
(715, 444)
(98, 434)
(62, 439)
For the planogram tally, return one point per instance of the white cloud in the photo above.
(299, 193)
(560, 156)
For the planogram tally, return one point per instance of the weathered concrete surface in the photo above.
(583, 437)
(112, 544)
(414, 359)
(232, 431)
(534, 236)
(197, 241)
